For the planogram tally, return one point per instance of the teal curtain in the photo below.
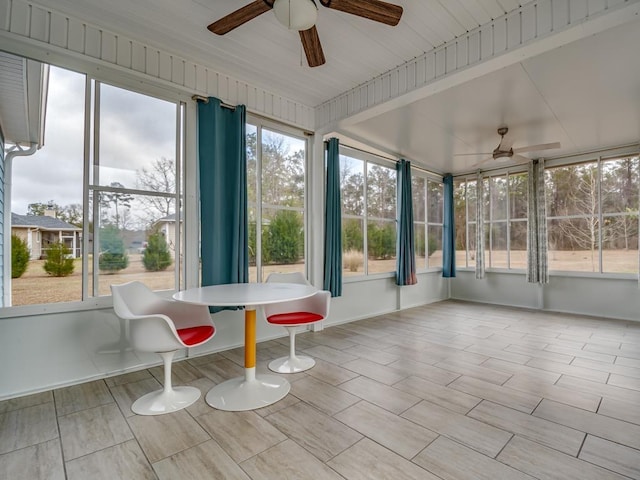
(333, 222)
(405, 241)
(222, 157)
(448, 230)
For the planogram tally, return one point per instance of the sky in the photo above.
(135, 131)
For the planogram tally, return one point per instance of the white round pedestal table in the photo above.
(250, 391)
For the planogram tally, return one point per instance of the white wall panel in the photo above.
(39, 24)
(75, 37)
(544, 22)
(22, 19)
(606, 297)
(138, 57)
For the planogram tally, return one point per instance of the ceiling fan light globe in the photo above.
(296, 14)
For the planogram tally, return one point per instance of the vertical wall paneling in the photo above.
(462, 52)
(177, 70)
(109, 47)
(92, 41)
(560, 14)
(577, 10)
(165, 66)
(152, 61)
(190, 75)
(39, 24)
(123, 52)
(138, 57)
(596, 6)
(430, 68)
(21, 18)
(544, 22)
(514, 30)
(75, 38)
(411, 75)
(499, 35)
(5, 16)
(201, 80)
(450, 60)
(474, 48)
(441, 62)
(486, 41)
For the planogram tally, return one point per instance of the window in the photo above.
(505, 220)
(368, 192)
(428, 209)
(592, 216)
(464, 208)
(276, 173)
(104, 193)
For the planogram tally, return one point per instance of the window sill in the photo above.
(561, 274)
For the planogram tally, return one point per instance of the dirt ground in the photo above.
(36, 287)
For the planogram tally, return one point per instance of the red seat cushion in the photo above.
(195, 335)
(294, 318)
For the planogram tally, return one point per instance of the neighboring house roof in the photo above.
(42, 222)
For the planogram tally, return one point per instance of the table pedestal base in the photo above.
(248, 392)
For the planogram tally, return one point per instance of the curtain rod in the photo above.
(206, 100)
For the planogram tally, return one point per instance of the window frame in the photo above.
(597, 160)
(183, 112)
(489, 221)
(379, 161)
(262, 123)
(427, 176)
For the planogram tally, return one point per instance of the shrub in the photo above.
(113, 257)
(157, 256)
(19, 256)
(352, 259)
(58, 263)
(352, 238)
(382, 241)
(433, 245)
(283, 240)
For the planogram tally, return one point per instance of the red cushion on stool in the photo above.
(194, 335)
(294, 318)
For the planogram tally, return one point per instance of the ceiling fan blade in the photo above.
(535, 148)
(375, 10)
(312, 47)
(239, 17)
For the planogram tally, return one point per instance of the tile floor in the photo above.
(450, 390)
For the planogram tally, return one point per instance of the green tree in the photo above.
(19, 256)
(59, 263)
(157, 256)
(381, 240)
(283, 240)
(38, 208)
(352, 237)
(112, 254)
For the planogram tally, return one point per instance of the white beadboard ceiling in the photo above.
(584, 94)
(270, 56)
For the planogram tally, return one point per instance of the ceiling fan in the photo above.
(505, 150)
(301, 15)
